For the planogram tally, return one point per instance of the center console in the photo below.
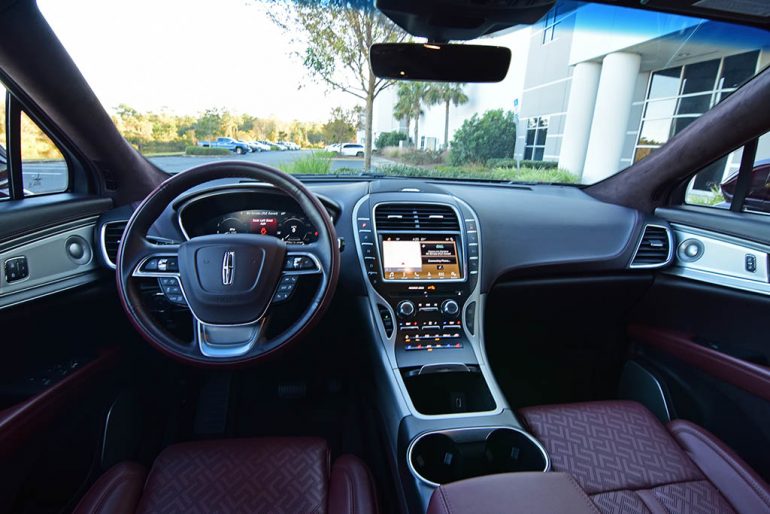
(421, 255)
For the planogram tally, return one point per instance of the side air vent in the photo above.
(112, 233)
(654, 249)
(430, 217)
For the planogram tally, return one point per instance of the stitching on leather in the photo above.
(748, 479)
(649, 498)
(445, 500)
(349, 490)
(582, 494)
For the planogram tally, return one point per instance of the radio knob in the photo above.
(406, 309)
(450, 308)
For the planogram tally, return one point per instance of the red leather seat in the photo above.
(275, 475)
(628, 462)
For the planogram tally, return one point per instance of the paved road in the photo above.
(51, 176)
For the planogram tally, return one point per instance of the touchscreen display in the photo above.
(420, 257)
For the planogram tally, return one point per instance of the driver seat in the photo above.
(276, 475)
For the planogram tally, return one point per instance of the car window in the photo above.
(4, 186)
(43, 167)
(714, 185)
(592, 88)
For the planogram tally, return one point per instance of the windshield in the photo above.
(591, 88)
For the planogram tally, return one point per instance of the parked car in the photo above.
(289, 145)
(758, 195)
(231, 144)
(259, 146)
(351, 150)
(334, 147)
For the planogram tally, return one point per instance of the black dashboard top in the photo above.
(525, 230)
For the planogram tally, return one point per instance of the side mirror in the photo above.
(440, 62)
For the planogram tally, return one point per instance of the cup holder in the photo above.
(450, 455)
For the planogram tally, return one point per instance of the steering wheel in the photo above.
(229, 281)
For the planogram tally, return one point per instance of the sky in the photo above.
(189, 55)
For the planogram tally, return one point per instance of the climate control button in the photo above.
(406, 309)
(450, 308)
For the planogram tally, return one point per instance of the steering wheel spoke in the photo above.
(228, 341)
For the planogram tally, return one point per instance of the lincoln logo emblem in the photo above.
(228, 268)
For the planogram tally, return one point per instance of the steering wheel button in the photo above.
(151, 265)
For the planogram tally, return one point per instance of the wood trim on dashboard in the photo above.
(748, 376)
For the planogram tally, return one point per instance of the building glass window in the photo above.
(537, 131)
(549, 28)
(678, 96)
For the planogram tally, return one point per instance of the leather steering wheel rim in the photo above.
(135, 248)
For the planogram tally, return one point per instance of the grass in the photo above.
(708, 201)
(317, 163)
(200, 150)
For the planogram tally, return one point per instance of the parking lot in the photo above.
(49, 176)
(177, 163)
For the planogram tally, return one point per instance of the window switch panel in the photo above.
(16, 269)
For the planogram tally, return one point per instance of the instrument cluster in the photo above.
(292, 227)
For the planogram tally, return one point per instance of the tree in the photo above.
(134, 126)
(411, 96)
(491, 136)
(447, 94)
(341, 126)
(336, 37)
(208, 124)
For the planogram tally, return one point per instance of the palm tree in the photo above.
(403, 111)
(411, 96)
(447, 94)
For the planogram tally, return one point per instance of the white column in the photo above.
(580, 111)
(610, 121)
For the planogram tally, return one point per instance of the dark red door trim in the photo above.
(32, 416)
(746, 375)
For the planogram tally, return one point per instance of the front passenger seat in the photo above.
(628, 462)
(275, 475)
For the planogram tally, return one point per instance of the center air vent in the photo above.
(111, 236)
(430, 217)
(654, 249)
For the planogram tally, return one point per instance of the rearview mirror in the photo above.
(440, 62)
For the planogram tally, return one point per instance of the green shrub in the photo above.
(491, 136)
(154, 147)
(531, 175)
(314, 164)
(513, 163)
(421, 157)
(200, 150)
(386, 139)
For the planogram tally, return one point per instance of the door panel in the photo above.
(61, 333)
(702, 327)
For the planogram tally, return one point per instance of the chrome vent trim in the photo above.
(655, 248)
(111, 235)
(421, 217)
